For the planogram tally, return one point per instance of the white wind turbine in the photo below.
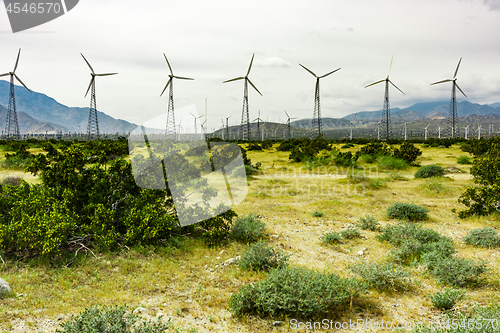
(439, 132)
(405, 126)
(195, 118)
(352, 125)
(426, 132)
(466, 131)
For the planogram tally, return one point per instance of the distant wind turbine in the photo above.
(195, 118)
(386, 114)
(289, 126)
(452, 116)
(316, 121)
(11, 125)
(245, 117)
(466, 131)
(352, 125)
(170, 128)
(405, 125)
(426, 131)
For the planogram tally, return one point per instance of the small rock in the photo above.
(275, 236)
(217, 258)
(230, 261)
(216, 266)
(221, 252)
(211, 269)
(4, 288)
(362, 252)
(277, 323)
(140, 310)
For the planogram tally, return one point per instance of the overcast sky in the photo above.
(213, 41)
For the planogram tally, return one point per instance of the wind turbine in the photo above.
(426, 131)
(352, 125)
(478, 131)
(466, 131)
(258, 125)
(245, 117)
(11, 125)
(195, 117)
(170, 127)
(289, 126)
(316, 121)
(452, 116)
(378, 131)
(405, 125)
(203, 132)
(93, 124)
(386, 113)
(439, 132)
(227, 127)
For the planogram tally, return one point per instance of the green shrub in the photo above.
(453, 271)
(248, 229)
(392, 163)
(344, 159)
(375, 149)
(407, 152)
(111, 320)
(368, 223)
(367, 158)
(254, 146)
(295, 292)
(407, 212)
(317, 213)
(464, 159)
(262, 257)
(485, 237)
(446, 299)
(350, 233)
(331, 238)
(383, 276)
(431, 170)
(347, 145)
(436, 186)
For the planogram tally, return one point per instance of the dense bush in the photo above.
(374, 149)
(262, 257)
(368, 223)
(307, 149)
(344, 159)
(331, 238)
(431, 170)
(85, 200)
(446, 299)
(454, 272)
(20, 159)
(248, 229)
(111, 320)
(391, 163)
(295, 292)
(485, 237)
(407, 211)
(383, 276)
(483, 199)
(254, 146)
(464, 159)
(407, 152)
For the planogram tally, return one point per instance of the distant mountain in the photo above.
(326, 122)
(495, 105)
(48, 111)
(28, 124)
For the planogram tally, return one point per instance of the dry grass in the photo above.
(180, 284)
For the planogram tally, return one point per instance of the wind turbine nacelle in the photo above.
(24, 14)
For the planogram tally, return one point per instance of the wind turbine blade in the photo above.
(88, 64)
(5, 74)
(456, 71)
(460, 90)
(310, 71)
(254, 86)
(250, 67)
(401, 117)
(354, 116)
(287, 114)
(168, 82)
(397, 87)
(18, 79)
(390, 67)
(90, 84)
(441, 82)
(17, 61)
(375, 83)
(168, 64)
(329, 73)
(238, 78)
(183, 78)
(106, 74)
(192, 114)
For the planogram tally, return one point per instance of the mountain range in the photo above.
(38, 113)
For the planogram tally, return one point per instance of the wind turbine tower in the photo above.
(385, 122)
(466, 131)
(316, 121)
(405, 126)
(195, 118)
(452, 116)
(352, 126)
(170, 128)
(245, 117)
(11, 125)
(93, 124)
(289, 126)
(426, 131)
